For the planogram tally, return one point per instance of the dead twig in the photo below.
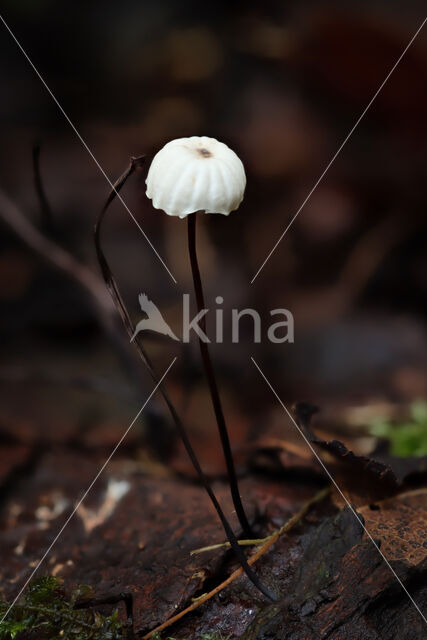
(87, 280)
(254, 542)
(262, 550)
(55, 255)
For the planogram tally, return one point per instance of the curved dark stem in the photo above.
(213, 387)
(121, 307)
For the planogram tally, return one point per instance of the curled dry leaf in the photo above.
(363, 478)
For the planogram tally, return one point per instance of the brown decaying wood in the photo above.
(262, 550)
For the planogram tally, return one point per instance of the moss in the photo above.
(204, 636)
(45, 613)
(406, 438)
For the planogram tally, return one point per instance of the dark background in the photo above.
(282, 84)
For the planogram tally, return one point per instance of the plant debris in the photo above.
(406, 438)
(46, 613)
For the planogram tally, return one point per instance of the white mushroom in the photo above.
(186, 176)
(196, 174)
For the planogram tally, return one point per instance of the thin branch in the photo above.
(89, 282)
(250, 542)
(55, 255)
(59, 258)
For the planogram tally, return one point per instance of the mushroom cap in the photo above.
(196, 174)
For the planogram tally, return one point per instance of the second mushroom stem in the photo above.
(213, 387)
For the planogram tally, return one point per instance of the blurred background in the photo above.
(282, 84)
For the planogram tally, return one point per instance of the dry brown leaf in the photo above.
(400, 523)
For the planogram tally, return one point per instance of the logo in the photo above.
(154, 321)
(278, 332)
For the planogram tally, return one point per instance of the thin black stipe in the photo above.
(121, 307)
(213, 387)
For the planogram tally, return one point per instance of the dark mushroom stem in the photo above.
(121, 307)
(213, 387)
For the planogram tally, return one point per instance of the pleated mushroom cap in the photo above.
(196, 174)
